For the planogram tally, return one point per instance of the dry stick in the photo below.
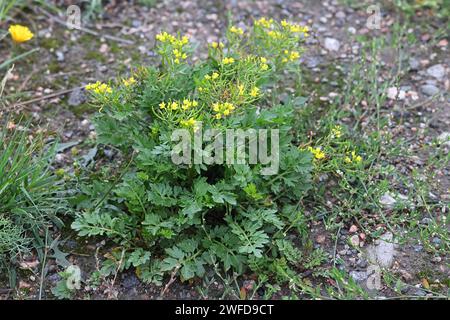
(172, 279)
(94, 33)
(56, 94)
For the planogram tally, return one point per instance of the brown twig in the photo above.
(85, 30)
(56, 94)
(172, 279)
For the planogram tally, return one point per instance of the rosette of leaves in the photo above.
(166, 218)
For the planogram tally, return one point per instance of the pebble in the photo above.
(414, 64)
(340, 15)
(437, 71)
(436, 259)
(387, 201)
(354, 240)
(444, 138)
(429, 89)
(76, 97)
(332, 44)
(358, 276)
(382, 253)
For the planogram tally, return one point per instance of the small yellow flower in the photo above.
(352, 157)
(236, 30)
(174, 105)
(20, 33)
(263, 22)
(162, 105)
(241, 89)
(254, 92)
(128, 82)
(317, 152)
(274, 34)
(337, 131)
(228, 60)
(214, 76)
(99, 88)
(216, 45)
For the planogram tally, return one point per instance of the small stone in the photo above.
(103, 48)
(358, 276)
(351, 30)
(354, 240)
(444, 138)
(320, 238)
(436, 259)
(394, 94)
(340, 15)
(443, 43)
(406, 275)
(429, 90)
(76, 97)
(59, 56)
(437, 71)
(353, 229)
(332, 44)
(382, 253)
(436, 241)
(414, 64)
(426, 221)
(387, 201)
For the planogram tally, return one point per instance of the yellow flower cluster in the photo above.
(190, 123)
(275, 34)
(216, 45)
(128, 82)
(177, 43)
(213, 76)
(179, 55)
(317, 152)
(223, 109)
(264, 65)
(237, 30)
(352, 157)
(186, 104)
(254, 92)
(337, 132)
(290, 55)
(295, 28)
(167, 37)
(99, 87)
(228, 60)
(20, 33)
(263, 22)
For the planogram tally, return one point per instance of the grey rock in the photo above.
(130, 281)
(340, 15)
(414, 64)
(429, 89)
(383, 252)
(417, 248)
(76, 97)
(444, 138)
(387, 201)
(437, 71)
(358, 276)
(332, 44)
(59, 56)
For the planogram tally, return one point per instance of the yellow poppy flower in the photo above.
(20, 33)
